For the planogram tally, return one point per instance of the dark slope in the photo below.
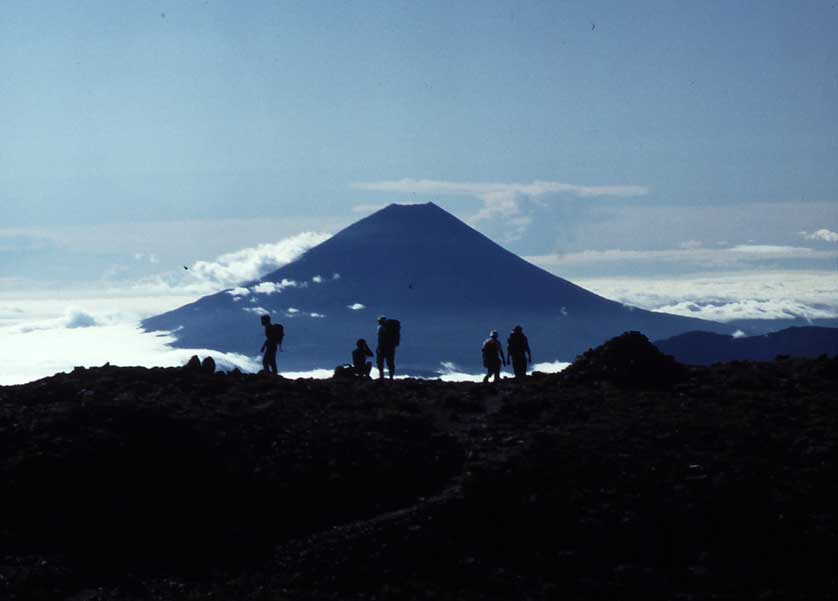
(706, 348)
(446, 282)
(130, 484)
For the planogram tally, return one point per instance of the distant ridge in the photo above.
(446, 282)
(706, 348)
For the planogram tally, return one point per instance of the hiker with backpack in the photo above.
(518, 352)
(389, 335)
(274, 333)
(359, 359)
(492, 356)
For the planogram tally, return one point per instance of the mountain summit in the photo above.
(447, 283)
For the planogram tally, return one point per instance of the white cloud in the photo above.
(823, 235)
(706, 259)
(335, 276)
(79, 319)
(292, 310)
(450, 372)
(501, 200)
(316, 315)
(272, 287)
(150, 257)
(29, 353)
(256, 310)
(318, 279)
(691, 244)
(72, 318)
(247, 264)
(738, 334)
(356, 306)
(763, 250)
(238, 291)
(728, 296)
(550, 367)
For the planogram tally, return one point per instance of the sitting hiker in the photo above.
(359, 359)
(492, 356)
(518, 352)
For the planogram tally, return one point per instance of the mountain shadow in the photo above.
(447, 283)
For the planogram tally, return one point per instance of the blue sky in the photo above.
(185, 130)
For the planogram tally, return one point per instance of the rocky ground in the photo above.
(626, 476)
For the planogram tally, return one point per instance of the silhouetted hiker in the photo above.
(492, 356)
(389, 335)
(274, 333)
(359, 359)
(518, 352)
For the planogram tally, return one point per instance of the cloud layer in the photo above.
(691, 257)
(823, 235)
(730, 296)
(34, 346)
(508, 201)
(248, 264)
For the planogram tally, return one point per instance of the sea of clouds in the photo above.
(37, 343)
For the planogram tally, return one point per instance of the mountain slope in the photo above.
(706, 348)
(446, 282)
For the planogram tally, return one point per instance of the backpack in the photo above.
(277, 333)
(344, 372)
(490, 352)
(393, 331)
(517, 343)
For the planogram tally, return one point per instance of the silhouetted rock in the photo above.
(627, 360)
(208, 365)
(194, 364)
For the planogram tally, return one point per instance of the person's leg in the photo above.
(497, 372)
(519, 365)
(272, 359)
(488, 374)
(379, 361)
(391, 363)
(367, 369)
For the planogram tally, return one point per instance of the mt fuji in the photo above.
(448, 284)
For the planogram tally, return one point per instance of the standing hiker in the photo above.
(518, 352)
(492, 356)
(389, 336)
(274, 333)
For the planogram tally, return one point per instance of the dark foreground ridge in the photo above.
(132, 483)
